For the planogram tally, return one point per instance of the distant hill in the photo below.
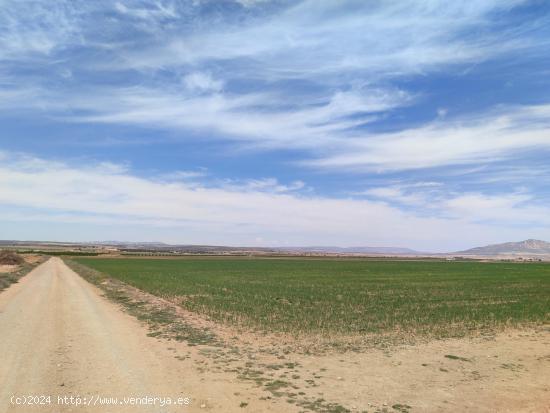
(160, 247)
(530, 246)
(293, 250)
(352, 250)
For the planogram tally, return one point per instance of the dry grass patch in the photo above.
(10, 258)
(13, 266)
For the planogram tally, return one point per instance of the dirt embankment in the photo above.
(13, 266)
(10, 258)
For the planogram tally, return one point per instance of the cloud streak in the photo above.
(312, 39)
(485, 138)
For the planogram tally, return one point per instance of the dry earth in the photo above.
(29, 259)
(6, 269)
(60, 336)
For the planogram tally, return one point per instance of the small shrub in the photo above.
(10, 258)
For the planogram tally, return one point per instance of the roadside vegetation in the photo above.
(10, 258)
(335, 297)
(61, 253)
(13, 266)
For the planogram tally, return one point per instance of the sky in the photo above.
(421, 124)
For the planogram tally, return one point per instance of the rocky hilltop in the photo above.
(527, 247)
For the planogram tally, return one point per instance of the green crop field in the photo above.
(345, 296)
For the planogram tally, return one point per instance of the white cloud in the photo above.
(517, 207)
(200, 214)
(37, 28)
(183, 175)
(326, 129)
(156, 10)
(199, 81)
(341, 56)
(259, 119)
(485, 138)
(271, 185)
(442, 112)
(349, 51)
(395, 194)
(313, 39)
(251, 3)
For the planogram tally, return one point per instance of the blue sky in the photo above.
(423, 124)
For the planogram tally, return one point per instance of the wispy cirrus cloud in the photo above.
(148, 11)
(32, 28)
(316, 39)
(343, 55)
(326, 129)
(483, 138)
(347, 52)
(257, 118)
(202, 82)
(260, 119)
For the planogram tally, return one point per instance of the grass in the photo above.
(344, 296)
(6, 279)
(61, 253)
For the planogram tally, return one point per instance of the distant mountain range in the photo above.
(292, 250)
(527, 247)
(350, 250)
(530, 247)
(212, 249)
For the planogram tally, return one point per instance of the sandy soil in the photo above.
(6, 269)
(29, 259)
(60, 336)
(507, 373)
(33, 259)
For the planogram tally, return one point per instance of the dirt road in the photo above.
(59, 337)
